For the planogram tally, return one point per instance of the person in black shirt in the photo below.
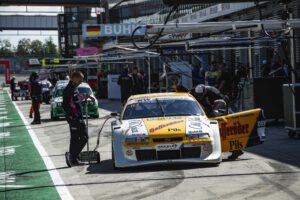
(206, 96)
(126, 83)
(224, 80)
(266, 68)
(36, 93)
(138, 82)
(13, 86)
(72, 107)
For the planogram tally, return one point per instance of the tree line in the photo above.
(27, 47)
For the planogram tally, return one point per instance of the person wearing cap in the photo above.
(36, 94)
(206, 96)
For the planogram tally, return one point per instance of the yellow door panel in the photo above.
(239, 130)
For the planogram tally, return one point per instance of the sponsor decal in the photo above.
(134, 129)
(163, 118)
(193, 119)
(135, 123)
(206, 124)
(174, 129)
(236, 129)
(195, 125)
(152, 130)
(166, 147)
(235, 144)
(195, 132)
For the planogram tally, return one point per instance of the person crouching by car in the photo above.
(36, 92)
(74, 116)
(211, 98)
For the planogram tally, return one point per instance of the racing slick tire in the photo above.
(113, 158)
(292, 134)
(297, 136)
(95, 116)
(98, 158)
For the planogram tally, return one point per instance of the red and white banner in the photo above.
(7, 70)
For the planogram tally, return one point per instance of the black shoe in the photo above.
(76, 162)
(235, 154)
(35, 122)
(69, 159)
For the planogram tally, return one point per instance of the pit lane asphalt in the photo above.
(268, 171)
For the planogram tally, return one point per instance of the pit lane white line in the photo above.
(7, 151)
(54, 174)
(4, 125)
(4, 134)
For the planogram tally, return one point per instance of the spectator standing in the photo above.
(266, 68)
(126, 84)
(13, 86)
(224, 80)
(36, 92)
(138, 82)
(212, 75)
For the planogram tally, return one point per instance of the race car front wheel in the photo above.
(113, 156)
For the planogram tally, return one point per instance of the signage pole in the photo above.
(149, 76)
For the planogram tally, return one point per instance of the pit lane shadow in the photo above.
(106, 167)
(278, 146)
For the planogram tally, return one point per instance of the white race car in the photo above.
(164, 128)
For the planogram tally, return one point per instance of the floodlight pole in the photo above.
(292, 49)
(250, 58)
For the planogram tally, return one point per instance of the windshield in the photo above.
(162, 107)
(84, 90)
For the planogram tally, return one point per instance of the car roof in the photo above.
(84, 85)
(62, 83)
(157, 95)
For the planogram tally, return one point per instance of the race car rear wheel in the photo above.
(292, 134)
(98, 157)
(53, 118)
